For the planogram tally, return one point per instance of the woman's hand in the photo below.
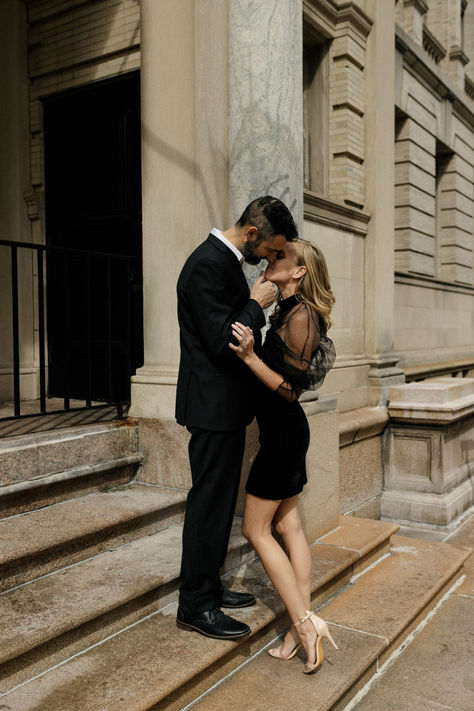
(244, 337)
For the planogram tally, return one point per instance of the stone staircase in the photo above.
(89, 564)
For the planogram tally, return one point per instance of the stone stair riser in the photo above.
(23, 570)
(46, 453)
(44, 655)
(370, 620)
(334, 566)
(38, 493)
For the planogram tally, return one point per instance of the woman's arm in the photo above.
(270, 378)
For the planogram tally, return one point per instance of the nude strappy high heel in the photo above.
(321, 631)
(276, 654)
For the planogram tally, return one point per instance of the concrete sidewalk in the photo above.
(435, 671)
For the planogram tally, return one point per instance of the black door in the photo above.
(93, 222)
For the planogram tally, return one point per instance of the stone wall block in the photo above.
(455, 181)
(410, 216)
(409, 239)
(412, 195)
(457, 255)
(407, 150)
(413, 131)
(456, 218)
(408, 261)
(423, 112)
(461, 166)
(361, 482)
(456, 273)
(347, 85)
(407, 172)
(351, 47)
(457, 237)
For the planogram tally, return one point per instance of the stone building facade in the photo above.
(360, 116)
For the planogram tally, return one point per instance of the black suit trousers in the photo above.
(216, 461)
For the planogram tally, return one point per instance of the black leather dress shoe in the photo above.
(213, 623)
(229, 598)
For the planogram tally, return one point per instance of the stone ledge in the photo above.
(362, 423)
(436, 401)
(431, 370)
(334, 214)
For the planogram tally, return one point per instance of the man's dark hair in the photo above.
(271, 217)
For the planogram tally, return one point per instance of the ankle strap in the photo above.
(303, 619)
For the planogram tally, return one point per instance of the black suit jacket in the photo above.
(216, 390)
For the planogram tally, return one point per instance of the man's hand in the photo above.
(263, 291)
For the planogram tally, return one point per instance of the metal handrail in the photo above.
(41, 251)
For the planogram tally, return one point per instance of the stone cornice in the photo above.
(322, 16)
(349, 11)
(469, 86)
(420, 5)
(427, 71)
(334, 214)
(457, 53)
(433, 46)
(326, 14)
(431, 283)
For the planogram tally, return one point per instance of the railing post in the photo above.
(16, 332)
(109, 333)
(42, 360)
(88, 331)
(67, 330)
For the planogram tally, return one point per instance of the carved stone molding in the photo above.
(433, 46)
(34, 203)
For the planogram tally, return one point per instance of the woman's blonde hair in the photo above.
(314, 287)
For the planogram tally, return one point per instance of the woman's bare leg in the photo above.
(258, 517)
(287, 523)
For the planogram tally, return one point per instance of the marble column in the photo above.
(379, 244)
(184, 171)
(266, 104)
(221, 124)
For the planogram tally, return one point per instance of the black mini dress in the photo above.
(295, 348)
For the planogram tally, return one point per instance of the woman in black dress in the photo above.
(296, 356)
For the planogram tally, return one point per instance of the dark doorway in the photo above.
(93, 222)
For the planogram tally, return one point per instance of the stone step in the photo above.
(61, 614)
(40, 469)
(39, 542)
(368, 621)
(151, 664)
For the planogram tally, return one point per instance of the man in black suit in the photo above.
(215, 401)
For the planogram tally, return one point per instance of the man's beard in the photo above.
(248, 251)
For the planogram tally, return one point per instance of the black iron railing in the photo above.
(88, 344)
